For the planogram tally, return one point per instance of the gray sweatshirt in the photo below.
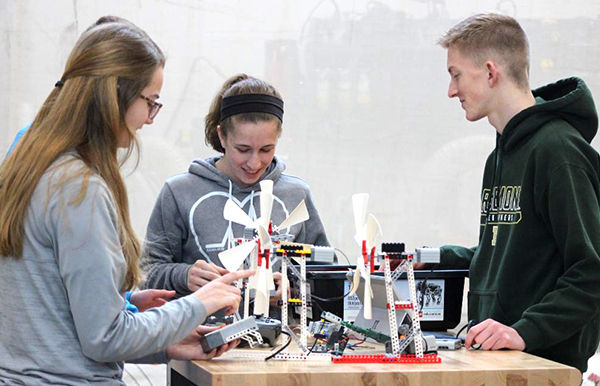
(62, 315)
(187, 221)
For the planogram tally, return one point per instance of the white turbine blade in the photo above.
(233, 258)
(359, 207)
(355, 282)
(270, 280)
(368, 294)
(261, 297)
(266, 202)
(298, 215)
(253, 265)
(265, 239)
(373, 231)
(266, 186)
(234, 213)
(364, 270)
(356, 276)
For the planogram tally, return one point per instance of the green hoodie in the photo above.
(537, 265)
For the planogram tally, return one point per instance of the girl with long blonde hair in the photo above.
(67, 245)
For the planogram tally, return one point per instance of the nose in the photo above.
(254, 161)
(149, 121)
(452, 92)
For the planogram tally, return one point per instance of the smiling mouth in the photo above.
(251, 173)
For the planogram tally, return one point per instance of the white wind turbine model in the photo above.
(233, 258)
(367, 233)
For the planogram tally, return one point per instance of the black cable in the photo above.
(329, 299)
(461, 330)
(313, 346)
(468, 326)
(282, 348)
(343, 254)
(316, 303)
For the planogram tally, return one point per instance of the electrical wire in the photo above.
(343, 254)
(282, 348)
(329, 299)
(313, 346)
(468, 326)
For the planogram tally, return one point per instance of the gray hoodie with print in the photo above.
(187, 221)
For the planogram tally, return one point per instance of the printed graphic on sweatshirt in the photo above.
(226, 240)
(501, 205)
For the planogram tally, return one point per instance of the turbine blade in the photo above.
(355, 282)
(261, 297)
(233, 212)
(270, 280)
(356, 276)
(373, 232)
(298, 215)
(359, 208)
(266, 202)
(233, 258)
(265, 239)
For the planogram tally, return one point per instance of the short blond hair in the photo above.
(492, 35)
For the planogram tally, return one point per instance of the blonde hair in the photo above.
(499, 36)
(111, 63)
(236, 85)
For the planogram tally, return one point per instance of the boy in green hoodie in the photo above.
(534, 277)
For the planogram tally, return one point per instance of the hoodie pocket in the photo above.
(484, 305)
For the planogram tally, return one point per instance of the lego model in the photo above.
(258, 245)
(269, 329)
(246, 329)
(396, 344)
(263, 241)
(367, 232)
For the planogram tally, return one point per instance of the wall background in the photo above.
(363, 81)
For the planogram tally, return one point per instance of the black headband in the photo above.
(251, 103)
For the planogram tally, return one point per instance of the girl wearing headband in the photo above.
(187, 230)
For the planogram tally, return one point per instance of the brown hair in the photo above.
(492, 35)
(111, 63)
(236, 85)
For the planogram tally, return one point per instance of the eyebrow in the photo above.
(249, 147)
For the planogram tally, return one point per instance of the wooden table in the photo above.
(461, 367)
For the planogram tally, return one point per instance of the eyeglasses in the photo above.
(154, 107)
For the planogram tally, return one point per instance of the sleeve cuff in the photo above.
(530, 334)
(180, 278)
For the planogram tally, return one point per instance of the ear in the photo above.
(492, 70)
(221, 136)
